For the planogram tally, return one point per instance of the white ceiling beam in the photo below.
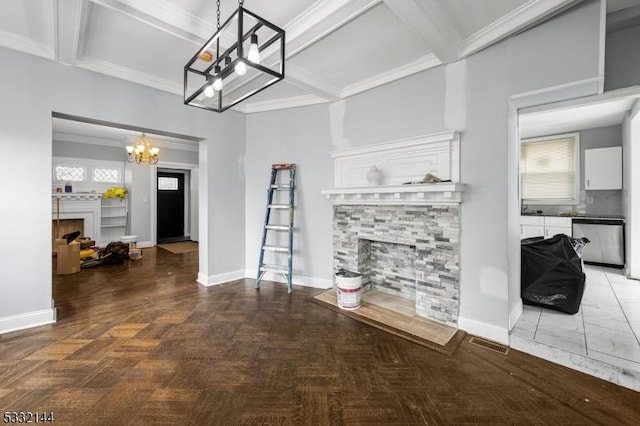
(26, 43)
(70, 27)
(527, 15)
(164, 16)
(427, 19)
(322, 19)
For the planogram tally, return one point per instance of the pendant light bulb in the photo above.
(254, 53)
(241, 68)
(217, 83)
(209, 91)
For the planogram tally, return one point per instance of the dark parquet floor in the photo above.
(142, 343)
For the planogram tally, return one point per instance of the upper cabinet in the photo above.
(603, 168)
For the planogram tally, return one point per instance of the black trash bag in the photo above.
(551, 273)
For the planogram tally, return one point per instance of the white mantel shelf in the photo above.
(415, 194)
(77, 196)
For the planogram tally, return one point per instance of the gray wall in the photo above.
(26, 106)
(604, 202)
(622, 62)
(557, 52)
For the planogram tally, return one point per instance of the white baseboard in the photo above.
(27, 320)
(145, 244)
(300, 280)
(218, 279)
(483, 329)
(515, 313)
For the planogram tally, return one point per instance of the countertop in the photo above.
(578, 216)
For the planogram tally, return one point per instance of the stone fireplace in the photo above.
(403, 238)
(423, 253)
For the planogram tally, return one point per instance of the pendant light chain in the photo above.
(218, 4)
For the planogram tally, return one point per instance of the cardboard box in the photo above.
(68, 257)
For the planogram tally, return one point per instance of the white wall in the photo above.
(631, 176)
(26, 104)
(90, 151)
(557, 52)
(306, 136)
(560, 51)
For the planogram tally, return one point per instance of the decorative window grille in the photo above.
(106, 175)
(69, 173)
(168, 184)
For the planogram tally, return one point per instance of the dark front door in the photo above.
(170, 206)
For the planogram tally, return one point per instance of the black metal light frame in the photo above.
(227, 69)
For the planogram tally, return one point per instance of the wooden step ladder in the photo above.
(276, 186)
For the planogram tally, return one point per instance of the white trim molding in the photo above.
(418, 194)
(299, 280)
(221, 278)
(27, 320)
(484, 329)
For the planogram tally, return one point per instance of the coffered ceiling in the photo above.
(335, 48)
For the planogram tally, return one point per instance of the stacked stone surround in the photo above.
(434, 232)
(392, 268)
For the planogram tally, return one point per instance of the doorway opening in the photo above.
(173, 206)
(603, 337)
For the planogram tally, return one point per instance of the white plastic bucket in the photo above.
(349, 292)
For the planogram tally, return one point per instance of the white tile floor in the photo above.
(606, 328)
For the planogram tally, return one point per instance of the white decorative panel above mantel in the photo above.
(400, 161)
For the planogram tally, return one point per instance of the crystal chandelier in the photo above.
(243, 57)
(142, 152)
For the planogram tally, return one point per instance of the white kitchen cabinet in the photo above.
(603, 168)
(556, 225)
(531, 226)
(544, 226)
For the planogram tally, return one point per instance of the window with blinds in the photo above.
(549, 169)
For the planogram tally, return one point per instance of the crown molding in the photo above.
(282, 103)
(524, 16)
(424, 63)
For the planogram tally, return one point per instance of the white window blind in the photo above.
(548, 170)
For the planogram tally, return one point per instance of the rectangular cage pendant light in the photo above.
(244, 57)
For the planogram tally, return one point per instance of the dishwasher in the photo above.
(606, 240)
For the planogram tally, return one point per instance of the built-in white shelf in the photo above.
(415, 194)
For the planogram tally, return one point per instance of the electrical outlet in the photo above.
(589, 200)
